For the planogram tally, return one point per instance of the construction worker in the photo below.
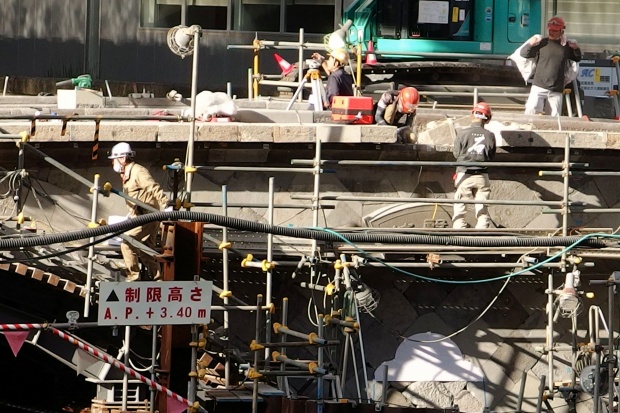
(473, 144)
(550, 75)
(393, 106)
(139, 184)
(339, 82)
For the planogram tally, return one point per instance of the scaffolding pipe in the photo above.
(593, 318)
(225, 282)
(299, 344)
(259, 301)
(320, 380)
(285, 83)
(91, 249)
(58, 165)
(21, 165)
(255, 74)
(250, 96)
(429, 200)
(251, 205)
(578, 98)
(269, 272)
(283, 382)
(559, 165)
(277, 44)
(580, 173)
(20, 137)
(126, 361)
(262, 169)
(610, 323)
(189, 160)
(311, 367)
(300, 58)
(582, 210)
(310, 338)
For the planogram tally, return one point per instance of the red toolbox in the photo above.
(352, 109)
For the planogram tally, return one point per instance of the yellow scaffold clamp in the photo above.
(266, 265)
(254, 346)
(249, 258)
(253, 374)
(24, 136)
(226, 294)
(224, 246)
(106, 189)
(339, 265)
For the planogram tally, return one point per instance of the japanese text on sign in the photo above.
(155, 303)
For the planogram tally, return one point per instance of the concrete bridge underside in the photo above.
(506, 323)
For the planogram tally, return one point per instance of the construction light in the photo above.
(340, 38)
(367, 298)
(569, 300)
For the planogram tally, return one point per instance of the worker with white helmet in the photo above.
(339, 82)
(139, 184)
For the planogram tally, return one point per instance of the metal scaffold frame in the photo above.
(345, 274)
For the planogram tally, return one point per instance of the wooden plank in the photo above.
(5, 267)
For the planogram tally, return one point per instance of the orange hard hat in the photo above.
(482, 111)
(408, 99)
(556, 23)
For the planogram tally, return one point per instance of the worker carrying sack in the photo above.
(527, 66)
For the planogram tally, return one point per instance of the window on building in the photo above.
(256, 15)
(322, 12)
(208, 14)
(314, 16)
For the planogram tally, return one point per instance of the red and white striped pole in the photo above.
(103, 356)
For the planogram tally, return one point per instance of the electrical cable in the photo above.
(319, 234)
(63, 252)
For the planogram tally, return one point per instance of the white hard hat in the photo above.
(121, 149)
(340, 55)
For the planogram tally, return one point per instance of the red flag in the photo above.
(16, 339)
(175, 406)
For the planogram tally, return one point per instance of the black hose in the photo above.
(245, 225)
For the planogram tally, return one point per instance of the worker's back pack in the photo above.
(352, 109)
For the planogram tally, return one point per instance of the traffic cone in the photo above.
(371, 57)
(284, 65)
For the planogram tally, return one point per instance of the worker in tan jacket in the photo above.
(139, 184)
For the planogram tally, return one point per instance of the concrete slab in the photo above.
(338, 133)
(257, 132)
(294, 134)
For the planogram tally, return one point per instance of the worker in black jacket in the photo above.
(473, 144)
(339, 82)
(552, 54)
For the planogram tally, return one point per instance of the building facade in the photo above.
(125, 40)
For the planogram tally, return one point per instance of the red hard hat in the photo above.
(409, 99)
(482, 110)
(556, 23)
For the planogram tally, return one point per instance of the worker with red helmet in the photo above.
(473, 144)
(398, 108)
(552, 54)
